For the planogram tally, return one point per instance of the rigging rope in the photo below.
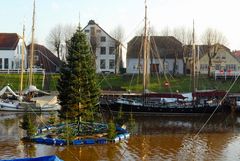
(200, 130)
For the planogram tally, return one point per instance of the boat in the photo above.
(43, 158)
(31, 99)
(197, 101)
(206, 102)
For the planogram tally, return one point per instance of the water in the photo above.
(154, 138)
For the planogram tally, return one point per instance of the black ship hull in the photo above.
(117, 107)
(205, 102)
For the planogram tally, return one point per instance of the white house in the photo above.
(11, 52)
(107, 50)
(165, 55)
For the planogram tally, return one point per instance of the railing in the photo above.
(226, 74)
(35, 70)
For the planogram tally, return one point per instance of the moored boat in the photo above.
(207, 101)
(197, 102)
(43, 158)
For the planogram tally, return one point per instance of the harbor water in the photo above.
(158, 137)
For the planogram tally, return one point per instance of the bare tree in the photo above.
(166, 31)
(214, 40)
(68, 31)
(152, 31)
(58, 37)
(118, 34)
(184, 35)
(94, 40)
(54, 39)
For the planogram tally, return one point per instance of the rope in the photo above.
(216, 108)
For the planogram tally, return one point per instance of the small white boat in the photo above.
(28, 107)
(36, 104)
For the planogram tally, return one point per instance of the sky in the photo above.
(222, 15)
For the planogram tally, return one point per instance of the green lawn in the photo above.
(180, 83)
(13, 80)
(130, 82)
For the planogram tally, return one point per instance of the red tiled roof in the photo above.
(237, 53)
(8, 41)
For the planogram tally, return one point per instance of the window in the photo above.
(36, 57)
(166, 67)
(17, 64)
(111, 50)
(0, 63)
(176, 67)
(103, 39)
(103, 51)
(231, 67)
(6, 63)
(217, 66)
(12, 64)
(87, 31)
(102, 64)
(111, 64)
(204, 67)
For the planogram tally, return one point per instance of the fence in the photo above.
(35, 70)
(226, 74)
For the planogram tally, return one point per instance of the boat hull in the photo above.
(116, 107)
(28, 107)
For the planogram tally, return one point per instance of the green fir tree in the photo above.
(28, 124)
(111, 130)
(78, 89)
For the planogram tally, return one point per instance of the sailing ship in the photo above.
(31, 99)
(207, 101)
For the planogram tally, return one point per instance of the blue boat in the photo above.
(45, 158)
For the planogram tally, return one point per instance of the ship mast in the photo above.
(194, 61)
(22, 62)
(145, 56)
(32, 46)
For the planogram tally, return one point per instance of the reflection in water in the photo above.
(153, 138)
(193, 148)
(231, 150)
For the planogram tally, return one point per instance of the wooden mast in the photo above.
(32, 46)
(145, 51)
(194, 61)
(22, 62)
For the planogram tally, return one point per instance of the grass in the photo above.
(13, 80)
(131, 82)
(177, 83)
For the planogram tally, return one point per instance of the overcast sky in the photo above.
(222, 15)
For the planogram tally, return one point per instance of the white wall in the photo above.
(132, 65)
(108, 43)
(13, 56)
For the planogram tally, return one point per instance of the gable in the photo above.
(8, 41)
(223, 57)
(42, 51)
(92, 23)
